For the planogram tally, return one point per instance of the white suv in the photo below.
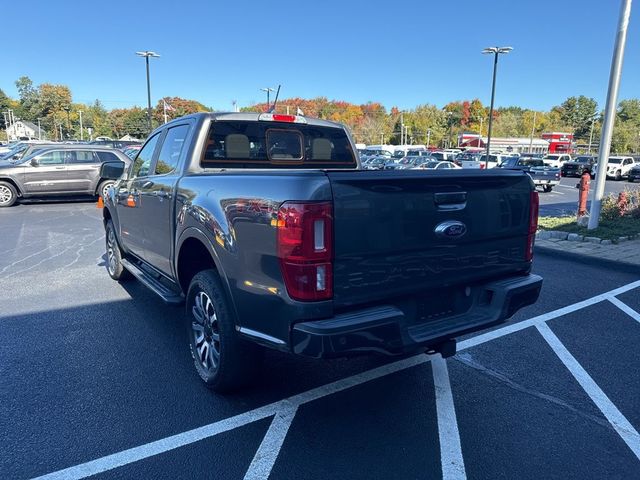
(556, 160)
(618, 167)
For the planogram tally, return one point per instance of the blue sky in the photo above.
(397, 53)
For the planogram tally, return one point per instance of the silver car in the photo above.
(57, 171)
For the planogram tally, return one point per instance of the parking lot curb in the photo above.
(560, 250)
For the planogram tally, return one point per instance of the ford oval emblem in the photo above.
(451, 229)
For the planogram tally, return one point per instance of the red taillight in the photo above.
(533, 225)
(283, 118)
(305, 249)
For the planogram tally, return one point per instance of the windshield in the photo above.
(430, 164)
(616, 161)
(552, 157)
(583, 160)
(15, 150)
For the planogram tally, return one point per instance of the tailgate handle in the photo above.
(450, 200)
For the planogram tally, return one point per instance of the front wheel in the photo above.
(8, 194)
(223, 360)
(618, 175)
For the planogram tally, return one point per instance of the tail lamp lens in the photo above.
(305, 249)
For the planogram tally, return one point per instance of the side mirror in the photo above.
(16, 156)
(112, 170)
(34, 162)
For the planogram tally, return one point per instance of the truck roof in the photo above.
(255, 116)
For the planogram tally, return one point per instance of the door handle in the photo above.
(59, 168)
(450, 201)
(160, 193)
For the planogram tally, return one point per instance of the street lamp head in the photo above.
(497, 50)
(147, 53)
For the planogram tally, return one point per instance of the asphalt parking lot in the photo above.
(96, 379)
(563, 199)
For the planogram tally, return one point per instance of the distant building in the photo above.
(559, 142)
(23, 130)
(508, 145)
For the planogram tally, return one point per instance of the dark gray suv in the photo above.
(57, 171)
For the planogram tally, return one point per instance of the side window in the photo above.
(52, 158)
(143, 161)
(107, 157)
(81, 156)
(171, 149)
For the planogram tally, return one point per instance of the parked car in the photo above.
(273, 237)
(541, 174)
(58, 171)
(556, 160)
(34, 147)
(119, 144)
(436, 165)
(617, 167)
(634, 173)
(376, 163)
(17, 149)
(579, 165)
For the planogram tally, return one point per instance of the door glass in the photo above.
(171, 149)
(81, 156)
(143, 160)
(52, 158)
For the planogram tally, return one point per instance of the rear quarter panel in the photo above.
(236, 212)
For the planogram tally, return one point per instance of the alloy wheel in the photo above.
(205, 330)
(5, 194)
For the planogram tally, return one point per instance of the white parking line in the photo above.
(157, 447)
(625, 308)
(265, 457)
(516, 327)
(606, 406)
(450, 448)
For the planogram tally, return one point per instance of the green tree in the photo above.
(629, 111)
(577, 113)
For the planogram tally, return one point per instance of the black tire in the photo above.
(547, 188)
(618, 176)
(223, 360)
(8, 194)
(630, 179)
(114, 255)
(104, 185)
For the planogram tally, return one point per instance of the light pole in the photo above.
(81, 133)
(67, 109)
(533, 129)
(609, 113)
(146, 54)
(428, 137)
(593, 120)
(268, 90)
(496, 51)
(39, 130)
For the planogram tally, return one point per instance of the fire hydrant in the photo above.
(583, 193)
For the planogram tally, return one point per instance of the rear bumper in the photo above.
(387, 329)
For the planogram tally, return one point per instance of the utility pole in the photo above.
(428, 137)
(81, 130)
(39, 130)
(593, 120)
(401, 128)
(533, 127)
(60, 131)
(609, 114)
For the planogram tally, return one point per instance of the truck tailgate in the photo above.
(385, 240)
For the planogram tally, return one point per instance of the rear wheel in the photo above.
(8, 194)
(618, 175)
(222, 359)
(114, 255)
(630, 179)
(547, 188)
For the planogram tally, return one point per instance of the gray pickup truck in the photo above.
(60, 170)
(541, 174)
(268, 229)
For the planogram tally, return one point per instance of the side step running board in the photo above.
(164, 292)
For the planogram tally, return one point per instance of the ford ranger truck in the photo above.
(269, 231)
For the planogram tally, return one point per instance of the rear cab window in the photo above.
(251, 144)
